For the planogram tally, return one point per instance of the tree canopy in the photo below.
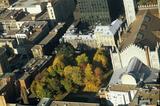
(63, 76)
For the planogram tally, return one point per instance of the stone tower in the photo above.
(158, 6)
(130, 12)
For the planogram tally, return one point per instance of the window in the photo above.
(147, 19)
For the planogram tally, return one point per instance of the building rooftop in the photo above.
(28, 3)
(122, 87)
(6, 14)
(146, 95)
(48, 38)
(45, 102)
(144, 30)
(34, 65)
(51, 34)
(32, 29)
(63, 103)
(109, 30)
(138, 70)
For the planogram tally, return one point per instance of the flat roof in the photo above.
(48, 38)
(6, 14)
(52, 34)
(34, 65)
(122, 87)
(33, 26)
(64, 103)
(146, 94)
(28, 3)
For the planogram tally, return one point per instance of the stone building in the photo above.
(9, 43)
(122, 88)
(158, 6)
(9, 18)
(6, 3)
(106, 36)
(109, 35)
(120, 59)
(143, 44)
(130, 12)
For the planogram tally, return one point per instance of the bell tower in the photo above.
(130, 12)
(158, 1)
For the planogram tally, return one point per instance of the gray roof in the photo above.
(138, 70)
(63, 103)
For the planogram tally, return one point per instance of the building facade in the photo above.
(109, 35)
(5, 3)
(60, 10)
(120, 59)
(103, 36)
(94, 11)
(129, 6)
(159, 7)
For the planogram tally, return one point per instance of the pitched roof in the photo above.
(138, 70)
(145, 30)
(110, 29)
(149, 31)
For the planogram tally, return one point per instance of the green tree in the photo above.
(77, 76)
(39, 90)
(66, 49)
(82, 59)
(68, 71)
(100, 58)
(67, 84)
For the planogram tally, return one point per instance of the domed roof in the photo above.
(138, 70)
(128, 79)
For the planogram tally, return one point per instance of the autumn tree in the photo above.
(82, 59)
(100, 59)
(67, 84)
(92, 83)
(77, 76)
(68, 71)
(59, 64)
(73, 73)
(38, 89)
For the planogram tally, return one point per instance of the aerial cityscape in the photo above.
(79, 52)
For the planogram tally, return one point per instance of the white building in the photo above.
(120, 59)
(121, 97)
(102, 36)
(51, 11)
(108, 35)
(122, 87)
(145, 45)
(31, 6)
(158, 6)
(129, 6)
